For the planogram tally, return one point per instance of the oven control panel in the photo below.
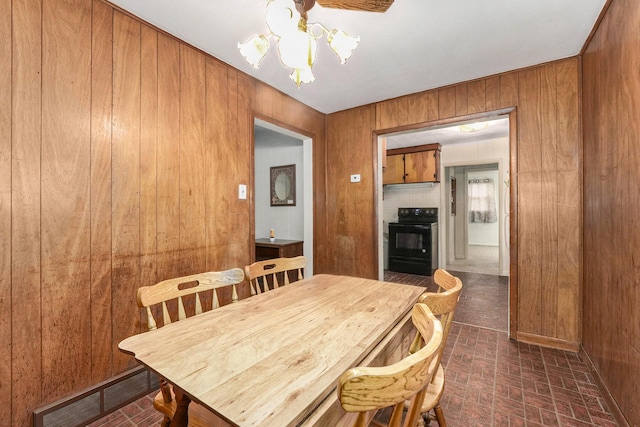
(417, 215)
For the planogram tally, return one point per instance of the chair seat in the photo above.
(199, 416)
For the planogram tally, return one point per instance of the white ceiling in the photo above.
(497, 127)
(416, 45)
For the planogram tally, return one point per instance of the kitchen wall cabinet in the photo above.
(412, 165)
(394, 170)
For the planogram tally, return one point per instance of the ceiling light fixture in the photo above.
(474, 127)
(297, 40)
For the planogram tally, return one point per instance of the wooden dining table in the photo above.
(273, 359)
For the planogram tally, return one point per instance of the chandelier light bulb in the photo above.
(342, 44)
(297, 50)
(254, 49)
(282, 17)
(297, 42)
(302, 75)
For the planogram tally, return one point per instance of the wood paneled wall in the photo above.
(611, 110)
(546, 171)
(121, 151)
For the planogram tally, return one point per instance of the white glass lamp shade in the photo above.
(302, 75)
(297, 50)
(282, 17)
(342, 44)
(254, 49)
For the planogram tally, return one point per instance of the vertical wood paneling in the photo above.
(26, 107)
(125, 180)
(568, 160)
(417, 108)
(102, 345)
(168, 186)
(549, 213)
(529, 256)
(388, 114)
(569, 309)
(148, 158)
(66, 118)
(530, 191)
(568, 123)
(403, 109)
(236, 250)
(476, 97)
(192, 150)
(492, 93)
(344, 244)
(447, 102)
(277, 103)
(5, 208)
(217, 151)
(243, 246)
(461, 99)
(612, 183)
(529, 138)
(346, 202)
(509, 89)
(434, 105)
(264, 99)
(98, 189)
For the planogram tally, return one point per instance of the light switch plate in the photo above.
(355, 177)
(242, 192)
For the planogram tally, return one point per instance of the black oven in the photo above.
(413, 241)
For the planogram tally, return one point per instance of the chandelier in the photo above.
(297, 40)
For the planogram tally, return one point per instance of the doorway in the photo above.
(276, 146)
(477, 238)
(491, 145)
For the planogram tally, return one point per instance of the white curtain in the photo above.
(482, 201)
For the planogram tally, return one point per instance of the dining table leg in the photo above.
(181, 416)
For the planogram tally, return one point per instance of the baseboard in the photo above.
(97, 401)
(550, 342)
(604, 390)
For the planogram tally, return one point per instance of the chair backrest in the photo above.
(442, 304)
(275, 273)
(366, 389)
(180, 287)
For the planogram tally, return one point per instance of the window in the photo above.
(482, 201)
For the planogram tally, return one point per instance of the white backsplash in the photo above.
(425, 195)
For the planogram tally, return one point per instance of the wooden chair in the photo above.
(274, 273)
(367, 389)
(178, 294)
(442, 304)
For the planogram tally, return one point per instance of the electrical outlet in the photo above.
(355, 177)
(242, 192)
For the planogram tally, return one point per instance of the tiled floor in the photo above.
(491, 380)
(480, 259)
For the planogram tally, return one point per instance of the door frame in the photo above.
(307, 187)
(379, 135)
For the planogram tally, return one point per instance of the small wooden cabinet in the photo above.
(394, 170)
(412, 164)
(280, 248)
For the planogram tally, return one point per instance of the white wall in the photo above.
(425, 195)
(275, 149)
